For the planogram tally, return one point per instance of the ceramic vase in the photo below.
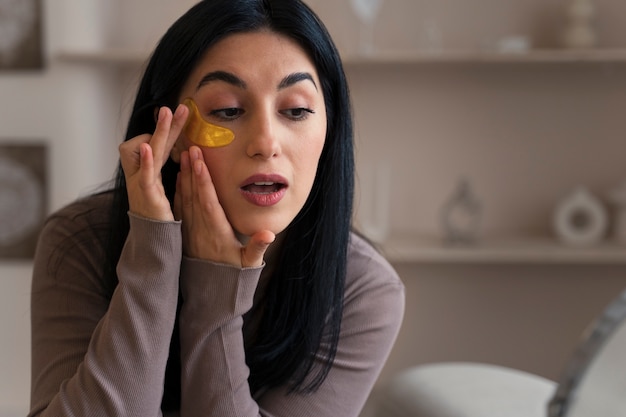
(580, 219)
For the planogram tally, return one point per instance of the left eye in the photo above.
(299, 113)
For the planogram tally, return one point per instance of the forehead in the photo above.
(253, 56)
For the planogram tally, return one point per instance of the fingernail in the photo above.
(198, 167)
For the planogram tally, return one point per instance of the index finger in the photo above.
(168, 129)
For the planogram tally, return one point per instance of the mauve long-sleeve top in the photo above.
(97, 354)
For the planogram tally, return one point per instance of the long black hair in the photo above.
(302, 311)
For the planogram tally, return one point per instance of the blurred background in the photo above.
(478, 123)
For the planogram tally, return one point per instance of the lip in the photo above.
(265, 198)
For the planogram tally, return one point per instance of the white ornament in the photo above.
(580, 219)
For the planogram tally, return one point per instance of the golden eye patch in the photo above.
(203, 133)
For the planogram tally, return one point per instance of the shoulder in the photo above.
(365, 263)
(373, 308)
(88, 214)
(78, 231)
(370, 274)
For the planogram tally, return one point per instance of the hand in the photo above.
(142, 158)
(207, 233)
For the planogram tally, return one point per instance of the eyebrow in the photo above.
(224, 76)
(232, 79)
(295, 78)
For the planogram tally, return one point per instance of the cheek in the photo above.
(218, 166)
(308, 161)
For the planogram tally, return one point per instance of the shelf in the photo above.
(615, 55)
(112, 56)
(503, 251)
(120, 56)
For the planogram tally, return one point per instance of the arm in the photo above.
(214, 373)
(213, 358)
(101, 354)
(92, 355)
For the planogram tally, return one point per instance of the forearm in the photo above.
(213, 356)
(114, 365)
(214, 372)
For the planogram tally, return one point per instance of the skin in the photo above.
(264, 88)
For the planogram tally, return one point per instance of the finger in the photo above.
(161, 132)
(130, 155)
(252, 254)
(173, 127)
(167, 131)
(205, 196)
(146, 166)
(178, 123)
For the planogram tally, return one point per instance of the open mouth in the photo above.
(264, 190)
(263, 187)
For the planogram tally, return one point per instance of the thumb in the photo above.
(252, 253)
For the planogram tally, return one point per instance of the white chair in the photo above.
(465, 390)
(593, 384)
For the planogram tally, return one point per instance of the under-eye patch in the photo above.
(203, 133)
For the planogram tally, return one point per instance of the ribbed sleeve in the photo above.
(94, 356)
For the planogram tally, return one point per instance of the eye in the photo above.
(299, 113)
(227, 114)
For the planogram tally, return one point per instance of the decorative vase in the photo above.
(579, 33)
(580, 219)
(461, 215)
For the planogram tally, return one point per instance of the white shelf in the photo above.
(501, 251)
(120, 56)
(614, 55)
(111, 56)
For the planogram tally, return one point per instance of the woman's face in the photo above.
(264, 88)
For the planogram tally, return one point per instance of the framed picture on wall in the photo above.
(21, 33)
(23, 197)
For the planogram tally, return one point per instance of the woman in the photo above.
(219, 280)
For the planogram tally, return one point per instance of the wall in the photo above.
(525, 134)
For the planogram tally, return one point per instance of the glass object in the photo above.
(461, 215)
(367, 12)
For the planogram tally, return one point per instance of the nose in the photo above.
(262, 138)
